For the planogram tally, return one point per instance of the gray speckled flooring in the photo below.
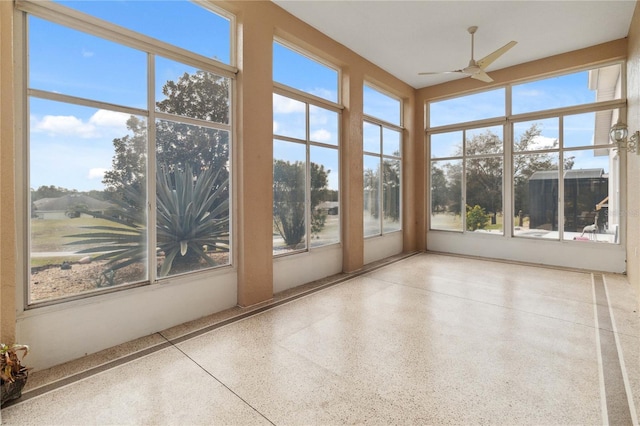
(430, 339)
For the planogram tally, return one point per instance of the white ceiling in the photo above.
(407, 37)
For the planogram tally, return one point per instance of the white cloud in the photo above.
(542, 142)
(276, 126)
(282, 105)
(96, 173)
(87, 53)
(321, 135)
(65, 125)
(104, 118)
(101, 123)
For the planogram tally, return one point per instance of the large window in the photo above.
(469, 163)
(122, 135)
(306, 185)
(382, 146)
(563, 179)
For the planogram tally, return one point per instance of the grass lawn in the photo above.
(53, 234)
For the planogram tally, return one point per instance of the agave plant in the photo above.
(191, 223)
(190, 218)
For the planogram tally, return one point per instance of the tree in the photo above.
(201, 95)
(484, 174)
(50, 191)
(128, 166)
(438, 189)
(289, 212)
(484, 171)
(390, 190)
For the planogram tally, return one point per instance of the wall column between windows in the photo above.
(352, 170)
(413, 191)
(254, 153)
(8, 276)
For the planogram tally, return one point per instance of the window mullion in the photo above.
(508, 189)
(151, 171)
(561, 220)
(307, 195)
(381, 184)
(463, 184)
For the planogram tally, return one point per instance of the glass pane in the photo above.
(446, 195)
(303, 73)
(371, 137)
(587, 130)
(381, 106)
(391, 221)
(587, 198)
(484, 194)
(189, 92)
(289, 117)
(579, 88)
(78, 158)
(192, 191)
(478, 106)
(198, 29)
(371, 195)
(391, 142)
(289, 206)
(62, 60)
(535, 191)
(483, 141)
(446, 144)
(536, 135)
(325, 196)
(323, 125)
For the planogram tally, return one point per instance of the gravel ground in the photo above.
(54, 282)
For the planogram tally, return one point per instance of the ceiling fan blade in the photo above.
(482, 76)
(441, 72)
(490, 58)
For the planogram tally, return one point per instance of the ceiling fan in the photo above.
(475, 69)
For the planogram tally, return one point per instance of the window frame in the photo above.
(152, 48)
(383, 124)
(508, 121)
(310, 100)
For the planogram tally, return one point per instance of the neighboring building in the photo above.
(585, 192)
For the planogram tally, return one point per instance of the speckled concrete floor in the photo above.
(430, 339)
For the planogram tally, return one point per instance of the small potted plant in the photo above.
(13, 375)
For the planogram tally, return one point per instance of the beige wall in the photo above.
(633, 167)
(7, 216)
